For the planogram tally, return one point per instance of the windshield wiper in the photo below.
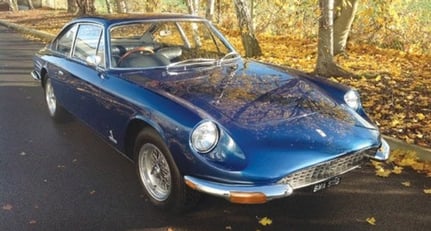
(191, 64)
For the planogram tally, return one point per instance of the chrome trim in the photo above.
(326, 170)
(383, 152)
(35, 75)
(224, 190)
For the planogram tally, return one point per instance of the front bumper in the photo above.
(35, 75)
(383, 152)
(242, 194)
(251, 194)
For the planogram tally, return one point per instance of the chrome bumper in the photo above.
(250, 194)
(35, 75)
(242, 194)
(383, 152)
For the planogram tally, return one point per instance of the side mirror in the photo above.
(93, 60)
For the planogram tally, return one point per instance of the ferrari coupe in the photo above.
(171, 93)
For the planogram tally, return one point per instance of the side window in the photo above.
(63, 43)
(88, 44)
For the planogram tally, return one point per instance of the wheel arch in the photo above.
(134, 127)
(43, 76)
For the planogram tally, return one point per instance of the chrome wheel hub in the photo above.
(51, 101)
(154, 172)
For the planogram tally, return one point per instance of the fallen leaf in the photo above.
(32, 222)
(7, 207)
(265, 221)
(406, 183)
(397, 170)
(383, 172)
(93, 192)
(371, 220)
(427, 191)
(420, 116)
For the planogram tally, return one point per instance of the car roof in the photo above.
(108, 20)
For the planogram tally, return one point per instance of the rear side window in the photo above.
(63, 43)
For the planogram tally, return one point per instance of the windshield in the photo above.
(169, 44)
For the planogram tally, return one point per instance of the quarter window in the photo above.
(63, 43)
(88, 44)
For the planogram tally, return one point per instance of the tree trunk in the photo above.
(193, 6)
(122, 6)
(30, 4)
(109, 6)
(85, 7)
(13, 5)
(210, 10)
(71, 6)
(249, 40)
(344, 14)
(326, 65)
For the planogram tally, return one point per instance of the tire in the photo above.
(56, 111)
(159, 175)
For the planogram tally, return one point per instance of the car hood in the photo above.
(249, 95)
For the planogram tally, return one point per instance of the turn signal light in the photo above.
(247, 198)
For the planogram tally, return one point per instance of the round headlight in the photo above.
(352, 99)
(204, 137)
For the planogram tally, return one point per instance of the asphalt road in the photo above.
(63, 177)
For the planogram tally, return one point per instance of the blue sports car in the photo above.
(170, 92)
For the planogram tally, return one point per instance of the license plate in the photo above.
(326, 184)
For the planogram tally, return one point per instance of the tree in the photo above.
(85, 7)
(13, 5)
(249, 40)
(30, 4)
(122, 6)
(193, 6)
(344, 13)
(109, 6)
(210, 10)
(326, 65)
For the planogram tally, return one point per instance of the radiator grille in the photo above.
(325, 170)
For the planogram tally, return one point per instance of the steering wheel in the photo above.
(134, 50)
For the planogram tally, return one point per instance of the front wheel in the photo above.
(55, 110)
(159, 175)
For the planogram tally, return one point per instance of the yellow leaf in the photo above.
(427, 191)
(406, 183)
(371, 220)
(383, 172)
(397, 170)
(378, 78)
(420, 116)
(265, 221)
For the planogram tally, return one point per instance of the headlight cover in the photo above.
(352, 99)
(204, 137)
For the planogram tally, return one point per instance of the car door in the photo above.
(84, 72)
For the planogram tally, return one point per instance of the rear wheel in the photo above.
(159, 175)
(54, 108)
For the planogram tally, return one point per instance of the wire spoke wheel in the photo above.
(154, 172)
(50, 98)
